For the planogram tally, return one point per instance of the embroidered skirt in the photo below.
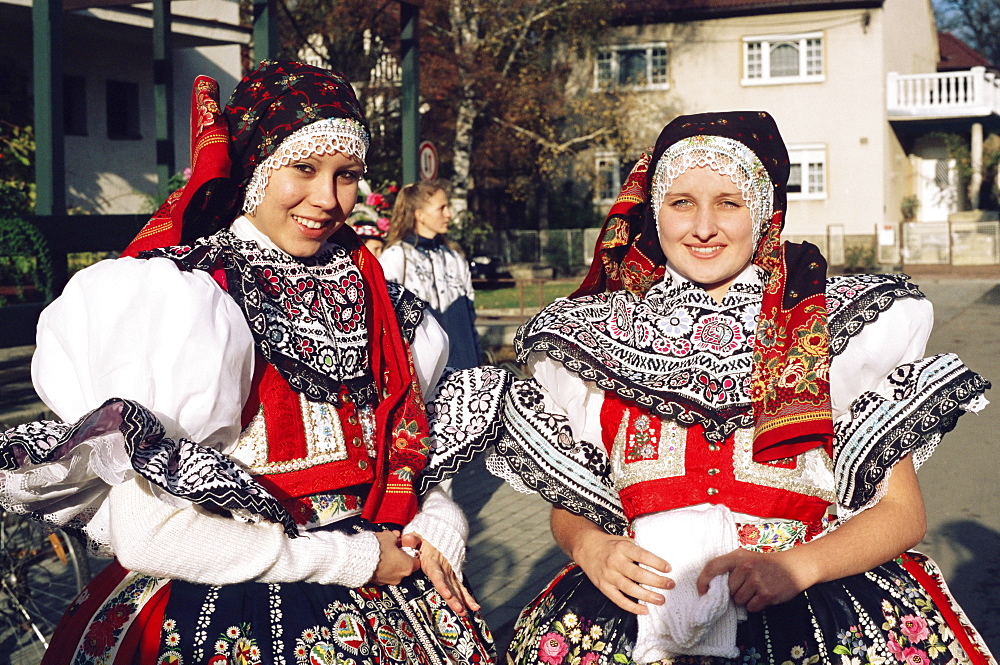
(124, 617)
(900, 612)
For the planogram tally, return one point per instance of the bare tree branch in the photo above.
(548, 144)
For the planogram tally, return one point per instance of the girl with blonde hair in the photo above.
(419, 255)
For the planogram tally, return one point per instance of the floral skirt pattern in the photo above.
(899, 613)
(131, 618)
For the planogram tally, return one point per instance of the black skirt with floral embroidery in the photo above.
(900, 612)
(125, 617)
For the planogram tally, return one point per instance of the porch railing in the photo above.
(972, 93)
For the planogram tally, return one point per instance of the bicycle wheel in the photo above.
(41, 571)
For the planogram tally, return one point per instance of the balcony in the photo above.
(970, 94)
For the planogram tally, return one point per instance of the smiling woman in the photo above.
(242, 422)
(728, 437)
(705, 229)
(306, 201)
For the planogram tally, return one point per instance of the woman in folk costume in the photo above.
(419, 256)
(249, 424)
(699, 405)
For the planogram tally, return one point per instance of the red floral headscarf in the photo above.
(790, 390)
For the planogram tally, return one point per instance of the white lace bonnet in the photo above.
(725, 156)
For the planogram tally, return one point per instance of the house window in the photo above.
(122, 104)
(807, 176)
(74, 106)
(632, 66)
(608, 168)
(783, 59)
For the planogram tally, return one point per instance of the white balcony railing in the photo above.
(972, 93)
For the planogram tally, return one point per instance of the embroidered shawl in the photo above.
(789, 380)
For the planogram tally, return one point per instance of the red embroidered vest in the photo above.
(297, 448)
(659, 465)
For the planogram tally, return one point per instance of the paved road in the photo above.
(512, 555)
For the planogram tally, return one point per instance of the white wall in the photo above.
(117, 176)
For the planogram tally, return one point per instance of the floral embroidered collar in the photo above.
(307, 316)
(675, 351)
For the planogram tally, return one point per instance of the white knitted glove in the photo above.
(442, 523)
(688, 623)
(189, 543)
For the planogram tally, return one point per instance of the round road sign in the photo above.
(427, 157)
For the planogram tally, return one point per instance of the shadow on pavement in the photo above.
(975, 582)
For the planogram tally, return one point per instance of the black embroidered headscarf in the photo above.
(628, 253)
(276, 101)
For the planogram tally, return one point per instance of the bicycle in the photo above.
(42, 569)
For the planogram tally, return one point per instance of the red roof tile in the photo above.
(957, 55)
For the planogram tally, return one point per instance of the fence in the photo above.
(960, 243)
(957, 243)
(563, 249)
(947, 94)
(567, 249)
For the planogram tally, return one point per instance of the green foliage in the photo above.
(77, 261)
(958, 149)
(859, 259)
(175, 182)
(17, 186)
(469, 232)
(908, 208)
(25, 261)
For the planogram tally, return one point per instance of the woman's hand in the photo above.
(393, 563)
(612, 562)
(877, 535)
(757, 580)
(440, 573)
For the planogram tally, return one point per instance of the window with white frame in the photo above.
(783, 59)
(807, 175)
(633, 66)
(608, 181)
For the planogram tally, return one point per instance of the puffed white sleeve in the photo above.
(177, 344)
(890, 402)
(565, 392)
(429, 348)
(897, 337)
(144, 330)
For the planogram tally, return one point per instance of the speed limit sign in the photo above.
(427, 156)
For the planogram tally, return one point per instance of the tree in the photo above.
(497, 90)
(518, 116)
(975, 21)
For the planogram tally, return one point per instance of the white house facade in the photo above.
(843, 81)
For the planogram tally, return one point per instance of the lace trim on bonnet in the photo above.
(323, 137)
(722, 155)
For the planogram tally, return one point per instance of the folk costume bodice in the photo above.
(641, 405)
(659, 465)
(296, 447)
(311, 434)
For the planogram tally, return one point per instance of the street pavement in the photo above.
(512, 555)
